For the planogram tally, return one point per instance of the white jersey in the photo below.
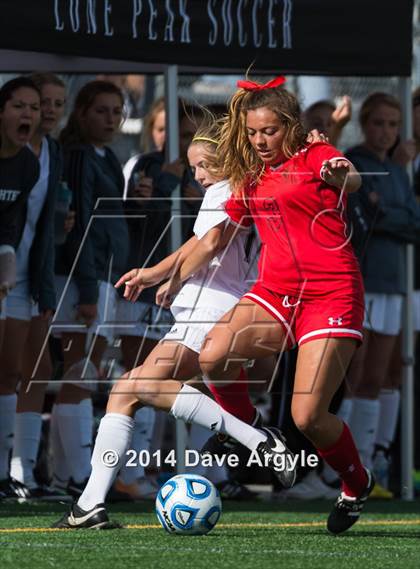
(233, 271)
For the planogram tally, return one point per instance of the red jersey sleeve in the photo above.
(320, 151)
(238, 211)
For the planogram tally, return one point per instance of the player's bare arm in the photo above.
(137, 280)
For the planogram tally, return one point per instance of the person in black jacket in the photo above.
(19, 172)
(38, 255)
(387, 219)
(88, 263)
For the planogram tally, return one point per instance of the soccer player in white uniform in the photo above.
(221, 275)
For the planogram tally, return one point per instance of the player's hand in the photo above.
(87, 313)
(315, 136)
(342, 114)
(166, 293)
(335, 172)
(136, 281)
(404, 153)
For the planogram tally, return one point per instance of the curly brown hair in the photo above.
(239, 159)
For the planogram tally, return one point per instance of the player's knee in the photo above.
(212, 360)
(308, 421)
(209, 365)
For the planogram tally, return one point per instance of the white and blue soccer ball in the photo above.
(188, 504)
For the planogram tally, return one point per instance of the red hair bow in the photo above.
(251, 86)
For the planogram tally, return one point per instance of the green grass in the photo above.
(250, 535)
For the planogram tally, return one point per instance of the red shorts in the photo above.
(336, 315)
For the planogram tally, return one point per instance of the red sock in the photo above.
(344, 458)
(234, 398)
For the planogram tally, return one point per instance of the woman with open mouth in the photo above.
(33, 301)
(19, 172)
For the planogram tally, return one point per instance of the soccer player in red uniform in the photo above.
(309, 290)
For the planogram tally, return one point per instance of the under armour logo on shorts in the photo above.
(335, 321)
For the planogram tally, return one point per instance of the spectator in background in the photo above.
(94, 253)
(328, 118)
(152, 136)
(36, 363)
(390, 214)
(154, 130)
(132, 89)
(24, 201)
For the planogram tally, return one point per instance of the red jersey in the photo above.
(306, 249)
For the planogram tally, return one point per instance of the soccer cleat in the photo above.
(96, 518)
(12, 489)
(274, 453)
(224, 444)
(347, 509)
(233, 490)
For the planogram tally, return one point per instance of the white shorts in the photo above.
(18, 304)
(141, 319)
(383, 313)
(65, 319)
(192, 325)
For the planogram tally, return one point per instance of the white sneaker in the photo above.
(311, 488)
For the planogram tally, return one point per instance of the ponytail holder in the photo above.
(251, 86)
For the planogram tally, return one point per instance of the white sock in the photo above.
(25, 449)
(114, 435)
(192, 406)
(363, 425)
(144, 421)
(60, 470)
(388, 417)
(198, 437)
(7, 430)
(344, 413)
(75, 423)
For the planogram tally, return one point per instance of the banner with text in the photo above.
(348, 37)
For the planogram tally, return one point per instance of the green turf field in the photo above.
(254, 535)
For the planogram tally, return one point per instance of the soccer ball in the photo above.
(188, 504)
